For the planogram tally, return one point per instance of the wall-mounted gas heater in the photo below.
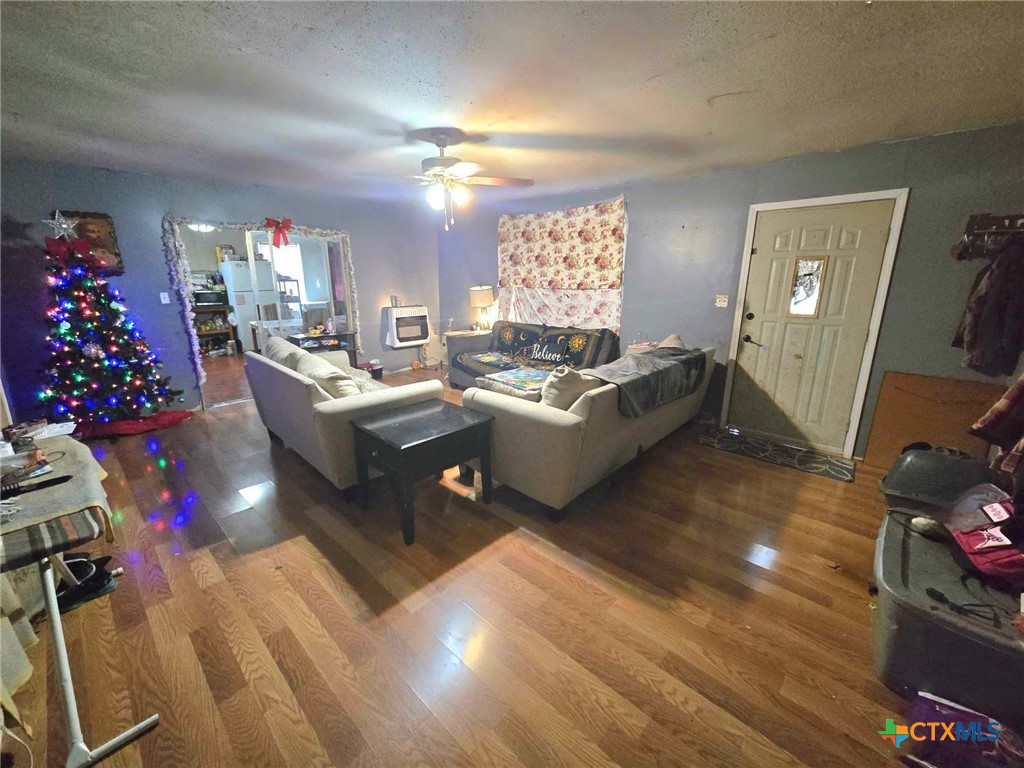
(407, 327)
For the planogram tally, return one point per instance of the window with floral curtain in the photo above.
(563, 268)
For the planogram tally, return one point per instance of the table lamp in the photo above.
(482, 297)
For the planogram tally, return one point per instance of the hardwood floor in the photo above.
(702, 609)
(225, 380)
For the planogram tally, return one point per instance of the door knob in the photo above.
(749, 340)
(749, 315)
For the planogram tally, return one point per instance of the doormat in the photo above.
(762, 449)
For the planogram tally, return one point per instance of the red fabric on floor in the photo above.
(152, 423)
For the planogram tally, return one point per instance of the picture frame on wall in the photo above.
(98, 229)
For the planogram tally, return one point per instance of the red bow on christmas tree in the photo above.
(280, 230)
(60, 249)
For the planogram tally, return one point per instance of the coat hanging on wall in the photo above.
(991, 333)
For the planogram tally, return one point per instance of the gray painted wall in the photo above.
(686, 236)
(394, 248)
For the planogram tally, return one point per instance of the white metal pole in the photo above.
(79, 755)
(60, 652)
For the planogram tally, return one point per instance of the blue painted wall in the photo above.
(394, 248)
(685, 240)
(684, 245)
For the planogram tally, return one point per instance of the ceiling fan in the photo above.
(448, 178)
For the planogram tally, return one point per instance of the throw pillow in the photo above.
(548, 352)
(672, 341)
(369, 384)
(340, 359)
(283, 352)
(334, 381)
(504, 389)
(565, 386)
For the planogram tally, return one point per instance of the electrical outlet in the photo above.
(721, 300)
(165, 297)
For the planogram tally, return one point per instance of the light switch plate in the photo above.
(721, 300)
(165, 298)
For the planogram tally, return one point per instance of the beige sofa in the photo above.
(553, 456)
(315, 425)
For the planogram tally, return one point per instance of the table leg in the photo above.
(407, 496)
(79, 755)
(363, 475)
(485, 472)
(63, 571)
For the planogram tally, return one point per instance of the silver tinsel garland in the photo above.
(181, 281)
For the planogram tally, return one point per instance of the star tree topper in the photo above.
(62, 226)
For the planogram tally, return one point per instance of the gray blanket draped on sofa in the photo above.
(649, 380)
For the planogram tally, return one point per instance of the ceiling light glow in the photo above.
(435, 196)
(460, 195)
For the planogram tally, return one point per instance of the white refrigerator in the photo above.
(245, 293)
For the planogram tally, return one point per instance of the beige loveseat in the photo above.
(553, 455)
(307, 419)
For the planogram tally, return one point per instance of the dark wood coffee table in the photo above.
(416, 441)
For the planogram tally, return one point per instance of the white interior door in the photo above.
(811, 285)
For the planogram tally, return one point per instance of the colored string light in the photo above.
(94, 348)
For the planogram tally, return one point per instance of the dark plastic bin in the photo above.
(921, 645)
(922, 479)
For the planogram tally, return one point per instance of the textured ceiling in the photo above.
(571, 94)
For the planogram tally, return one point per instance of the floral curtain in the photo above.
(563, 267)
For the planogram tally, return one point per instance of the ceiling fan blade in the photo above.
(449, 136)
(499, 181)
(383, 176)
(463, 169)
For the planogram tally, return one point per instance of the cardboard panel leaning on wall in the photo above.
(394, 247)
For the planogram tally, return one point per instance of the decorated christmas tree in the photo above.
(101, 368)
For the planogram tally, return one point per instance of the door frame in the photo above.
(899, 196)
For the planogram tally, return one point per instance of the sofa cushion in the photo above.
(673, 341)
(514, 339)
(482, 363)
(565, 386)
(283, 352)
(334, 381)
(492, 385)
(585, 347)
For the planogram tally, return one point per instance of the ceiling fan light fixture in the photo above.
(435, 196)
(460, 195)
(448, 178)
